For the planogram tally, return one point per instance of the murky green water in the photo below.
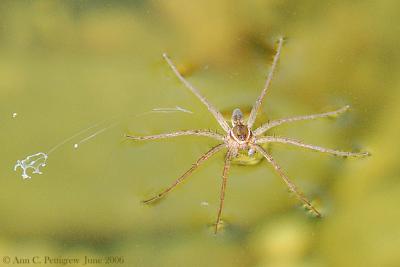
(67, 66)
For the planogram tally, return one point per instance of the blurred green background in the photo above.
(65, 65)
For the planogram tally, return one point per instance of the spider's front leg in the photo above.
(266, 126)
(260, 99)
(216, 113)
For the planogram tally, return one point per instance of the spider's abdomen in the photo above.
(241, 133)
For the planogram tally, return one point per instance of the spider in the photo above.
(241, 135)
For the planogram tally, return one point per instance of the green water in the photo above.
(68, 65)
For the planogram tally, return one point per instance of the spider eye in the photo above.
(237, 116)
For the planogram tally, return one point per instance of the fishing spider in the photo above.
(242, 136)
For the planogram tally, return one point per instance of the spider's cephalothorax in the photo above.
(239, 132)
(241, 137)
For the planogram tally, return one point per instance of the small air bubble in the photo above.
(76, 145)
(204, 203)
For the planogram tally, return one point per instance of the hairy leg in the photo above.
(178, 133)
(260, 99)
(265, 127)
(292, 187)
(203, 158)
(285, 140)
(194, 90)
(227, 166)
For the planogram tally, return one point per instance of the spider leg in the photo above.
(265, 127)
(195, 91)
(203, 158)
(292, 187)
(227, 166)
(178, 133)
(285, 140)
(260, 99)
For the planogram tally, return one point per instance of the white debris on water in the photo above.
(35, 162)
(166, 110)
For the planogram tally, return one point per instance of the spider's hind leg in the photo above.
(292, 187)
(227, 166)
(203, 158)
